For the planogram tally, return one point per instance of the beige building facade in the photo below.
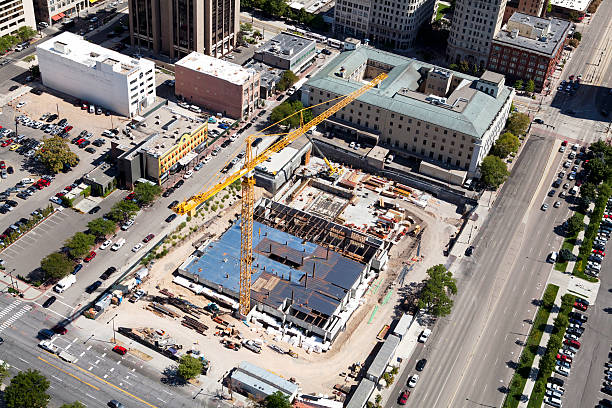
(16, 14)
(474, 24)
(177, 27)
(420, 111)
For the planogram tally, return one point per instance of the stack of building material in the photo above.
(194, 324)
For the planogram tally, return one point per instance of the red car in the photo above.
(68, 188)
(84, 106)
(130, 196)
(2, 165)
(563, 357)
(598, 252)
(60, 194)
(60, 329)
(403, 399)
(68, 128)
(148, 238)
(572, 343)
(6, 142)
(580, 306)
(571, 77)
(91, 256)
(564, 143)
(120, 350)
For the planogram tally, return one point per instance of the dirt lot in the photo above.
(315, 372)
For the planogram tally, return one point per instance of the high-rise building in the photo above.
(393, 23)
(53, 11)
(16, 14)
(474, 24)
(177, 27)
(531, 7)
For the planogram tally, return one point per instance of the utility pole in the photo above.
(113, 321)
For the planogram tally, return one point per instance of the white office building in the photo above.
(102, 77)
(16, 14)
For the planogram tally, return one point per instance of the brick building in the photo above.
(217, 85)
(528, 47)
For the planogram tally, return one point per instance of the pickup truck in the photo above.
(251, 345)
(48, 346)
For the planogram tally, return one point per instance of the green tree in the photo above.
(146, 193)
(80, 244)
(577, 35)
(598, 171)
(507, 143)
(574, 224)
(26, 33)
(518, 123)
(55, 153)
(588, 192)
(101, 227)
(56, 265)
(435, 294)
(565, 255)
(75, 404)
(189, 367)
(287, 80)
(7, 42)
(530, 86)
(4, 372)
(276, 400)
(35, 71)
(286, 109)
(518, 85)
(27, 390)
(123, 211)
(493, 171)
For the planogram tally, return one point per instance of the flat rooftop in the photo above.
(225, 70)
(578, 5)
(554, 30)
(286, 45)
(73, 47)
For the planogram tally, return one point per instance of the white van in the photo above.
(65, 283)
(118, 244)
(92, 109)
(555, 402)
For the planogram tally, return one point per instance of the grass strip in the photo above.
(517, 384)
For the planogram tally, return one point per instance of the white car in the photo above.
(206, 159)
(413, 380)
(137, 247)
(55, 200)
(424, 335)
(48, 346)
(106, 244)
(188, 174)
(20, 104)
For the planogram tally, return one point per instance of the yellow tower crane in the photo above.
(248, 183)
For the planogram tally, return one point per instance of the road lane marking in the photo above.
(57, 378)
(75, 340)
(112, 369)
(118, 362)
(88, 348)
(169, 393)
(72, 375)
(90, 367)
(97, 361)
(27, 362)
(91, 397)
(81, 355)
(162, 400)
(117, 388)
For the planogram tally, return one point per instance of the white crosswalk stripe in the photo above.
(15, 317)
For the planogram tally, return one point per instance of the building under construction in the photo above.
(308, 271)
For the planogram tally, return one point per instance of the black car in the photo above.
(49, 301)
(168, 192)
(95, 209)
(108, 273)
(421, 364)
(46, 334)
(115, 404)
(12, 203)
(256, 142)
(92, 288)
(63, 122)
(578, 316)
(179, 184)
(552, 192)
(226, 143)
(171, 218)
(172, 204)
(555, 380)
(52, 118)
(469, 251)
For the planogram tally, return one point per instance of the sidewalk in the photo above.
(543, 342)
(576, 249)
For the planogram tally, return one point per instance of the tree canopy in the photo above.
(438, 287)
(189, 367)
(598, 170)
(286, 109)
(123, 211)
(101, 227)
(507, 143)
(146, 193)
(574, 224)
(4, 372)
(26, 33)
(75, 404)
(28, 389)
(287, 80)
(493, 171)
(276, 400)
(55, 153)
(518, 123)
(530, 86)
(518, 85)
(56, 265)
(80, 244)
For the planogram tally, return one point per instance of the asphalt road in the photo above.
(97, 376)
(470, 351)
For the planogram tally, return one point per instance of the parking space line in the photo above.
(70, 374)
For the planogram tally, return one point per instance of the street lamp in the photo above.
(113, 321)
